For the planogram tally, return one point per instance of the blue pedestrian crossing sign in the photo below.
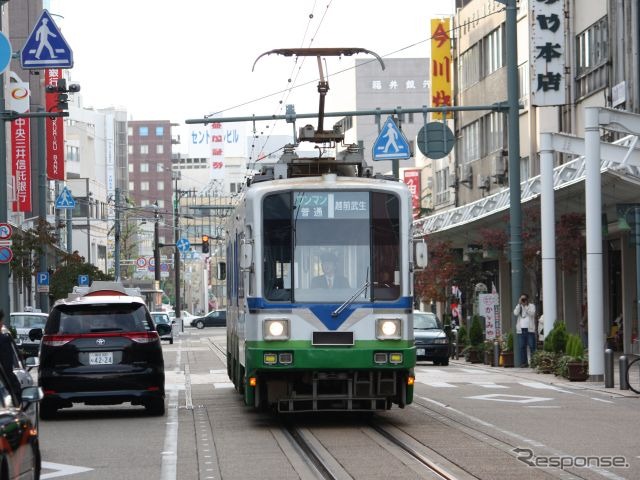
(65, 200)
(46, 47)
(391, 143)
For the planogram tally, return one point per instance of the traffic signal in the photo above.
(205, 243)
(61, 89)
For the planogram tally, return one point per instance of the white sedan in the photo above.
(186, 316)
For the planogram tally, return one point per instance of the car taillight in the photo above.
(57, 340)
(143, 337)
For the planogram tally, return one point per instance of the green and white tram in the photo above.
(296, 344)
(319, 270)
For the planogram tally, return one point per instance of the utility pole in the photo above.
(515, 208)
(156, 245)
(176, 252)
(116, 249)
(42, 202)
(4, 267)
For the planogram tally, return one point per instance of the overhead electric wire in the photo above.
(310, 82)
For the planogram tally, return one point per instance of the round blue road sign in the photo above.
(6, 254)
(5, 52)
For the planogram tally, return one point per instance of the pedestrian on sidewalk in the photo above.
(526, 328)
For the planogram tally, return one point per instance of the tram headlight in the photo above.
(276, 329)
(388, 328)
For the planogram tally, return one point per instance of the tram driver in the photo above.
(330, 277)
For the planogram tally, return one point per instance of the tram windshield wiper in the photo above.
(351, 299)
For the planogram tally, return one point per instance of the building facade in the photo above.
(598, 69)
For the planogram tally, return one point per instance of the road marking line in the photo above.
(439, 384)
(169, 470)
(488, 385)
(544, 386)
(61, 470)
(601, 400)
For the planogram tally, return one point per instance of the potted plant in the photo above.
(473, 352)
(544, 361)
(506, 351)
(573, 365)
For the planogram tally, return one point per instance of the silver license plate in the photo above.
(420, 352)
(101, 358)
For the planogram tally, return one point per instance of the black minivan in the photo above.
(101, 348)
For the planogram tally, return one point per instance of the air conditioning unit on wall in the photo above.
(499, 167)
(466, 175)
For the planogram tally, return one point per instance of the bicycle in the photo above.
(633, 375)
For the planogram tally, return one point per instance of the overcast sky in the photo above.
(174, 60)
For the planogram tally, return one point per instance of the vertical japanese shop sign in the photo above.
(412, 179)
(21, 164)
(441, 86)
(54, 129)
(548, 52)
(216, 144)
(489, 308)
(18, 100)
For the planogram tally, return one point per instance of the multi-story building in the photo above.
(596, 50)
(150, 188)
(404, 83)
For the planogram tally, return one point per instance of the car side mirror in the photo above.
(32, 362)
(30, 395)
(221, 273)
(421, 255)
(35, 334)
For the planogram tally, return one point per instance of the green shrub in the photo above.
(476, 336)
(557, 338)
(573, 347)
(544, 361)
(462, 336)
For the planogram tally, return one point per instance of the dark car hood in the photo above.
(428, 334)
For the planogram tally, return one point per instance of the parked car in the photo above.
(101, 348)
(21, 369)
(432, 343)
(23, 322)
(215, 318)
(163, 318)
(187, 317)
(19, 444)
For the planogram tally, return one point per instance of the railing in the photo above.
(563, 175)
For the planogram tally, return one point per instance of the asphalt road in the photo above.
(471, 418)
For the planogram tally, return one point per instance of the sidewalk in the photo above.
(531, 374)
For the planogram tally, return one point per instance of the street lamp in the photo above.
(156, 245)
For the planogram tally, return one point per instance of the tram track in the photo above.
(307, 447)
(218, 350)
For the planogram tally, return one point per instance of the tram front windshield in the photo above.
(322, 246)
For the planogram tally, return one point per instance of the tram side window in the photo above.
(385, 218)
(277, 247)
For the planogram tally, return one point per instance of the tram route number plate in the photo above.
(101, 358)
(420, 352)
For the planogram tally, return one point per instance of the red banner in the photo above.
(412, 179)
(55, 129)
(21, 164)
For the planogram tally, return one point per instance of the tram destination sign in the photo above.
(323, 205)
